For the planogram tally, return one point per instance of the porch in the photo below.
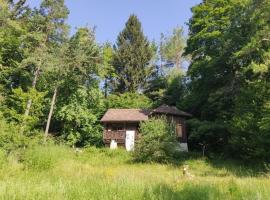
(117, 132)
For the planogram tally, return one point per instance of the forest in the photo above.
(56, 83)
(55, 86)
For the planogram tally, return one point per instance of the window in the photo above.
(179, 130)
(117, 127)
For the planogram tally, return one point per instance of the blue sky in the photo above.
(109, 16)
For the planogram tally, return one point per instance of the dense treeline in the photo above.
(229, 90)
(63, 84)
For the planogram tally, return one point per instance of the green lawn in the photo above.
(60, 173)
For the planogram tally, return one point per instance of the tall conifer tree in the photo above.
(133, 54)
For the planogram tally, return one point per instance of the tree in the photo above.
(12, 33)
(132, 57)
(46, 30)
(128, 100)
(172, 48)
(167, 82)
(175, 87)
(14, 107)
(230, 70)
(76, 64)
(107, 71)
(168, 88)
(80, 116)
(210, 72)
(207, 136)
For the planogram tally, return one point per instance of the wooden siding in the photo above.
(180, 125)
(118, 136)
(117, 130)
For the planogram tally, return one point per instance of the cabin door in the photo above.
(130, 140)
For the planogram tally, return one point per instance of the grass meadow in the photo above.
(58, 172)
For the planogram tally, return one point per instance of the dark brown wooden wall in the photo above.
(180, 124)
(117, 131)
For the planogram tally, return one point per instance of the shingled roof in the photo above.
(136, 115)
(131, 115)
(165, 109)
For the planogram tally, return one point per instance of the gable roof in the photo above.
(128, 115)
(165, 109)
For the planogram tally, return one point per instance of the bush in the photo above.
(158, 142)
(10, 139)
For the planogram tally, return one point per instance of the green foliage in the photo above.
(250, 124)
(229, 73)
(157, 143)
(103, 174)
(226, 88)
(43, 157)
(16, 103)
(3, 158)
(207, 136)
(172, 48)
(156, 88)
(107, 71)
(12, 32)
(133, 54)
(10, 139)
(169, 88)
(175, 91)
(80, 117)
(84, 55)
(128, 100)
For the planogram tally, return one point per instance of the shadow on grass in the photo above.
(213, 165)
(188, 192)
(238, 168)
(218, 166)
(234, 167)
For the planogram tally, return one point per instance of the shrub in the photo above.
(10, 139)
(158, 142)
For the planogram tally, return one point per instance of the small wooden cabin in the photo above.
(121, 126)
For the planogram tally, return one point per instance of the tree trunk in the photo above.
(29, 102)
(106, 87)
(178, 63)
(203, 150)
(50, 114)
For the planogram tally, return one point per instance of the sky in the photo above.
(109, 16)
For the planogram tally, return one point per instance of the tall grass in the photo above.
(58, 172)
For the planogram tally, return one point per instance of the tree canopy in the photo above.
(132, 57)
(61, 84)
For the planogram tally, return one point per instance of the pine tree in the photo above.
(172, 48)
(133, 54)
